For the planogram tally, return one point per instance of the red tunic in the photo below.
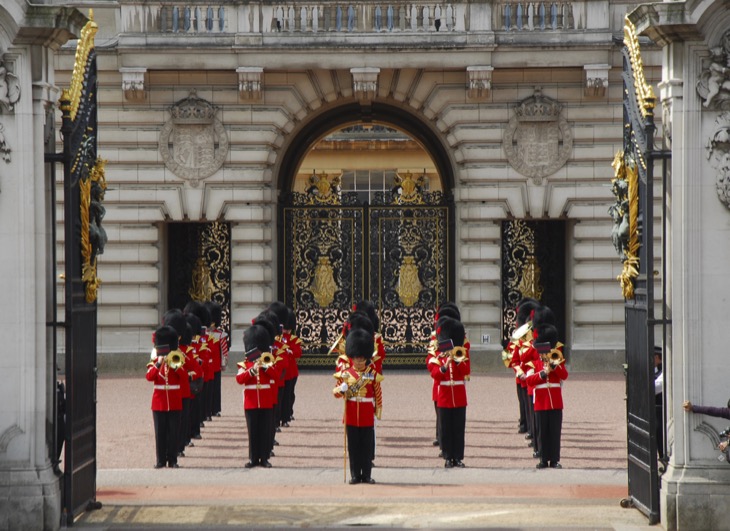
(166, 395)
(214, 343)
(295, 348)
(257, 390)
(452, 382)
(548, 392)
(360, 410)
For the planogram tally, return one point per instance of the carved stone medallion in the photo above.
(193, 143)
(718, 153)
(538, 140)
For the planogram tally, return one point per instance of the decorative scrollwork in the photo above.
(625, 213)
(718, 153)
(92, 186)
(84, 49)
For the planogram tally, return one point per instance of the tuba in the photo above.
(175, 360)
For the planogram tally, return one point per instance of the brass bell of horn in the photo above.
(175, 360)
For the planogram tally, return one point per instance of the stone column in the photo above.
(30, 495)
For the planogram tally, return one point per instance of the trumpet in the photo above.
(266, 360)
(175, 360)
(554, 357)
(458, 354)
(338, 346)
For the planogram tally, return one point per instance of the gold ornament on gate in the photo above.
(409, 286)
(323, 286)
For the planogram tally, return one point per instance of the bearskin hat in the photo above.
(546, 333)
(280, 310)
(359, 321)
(448, 309)
(524, 310)
(291, 320)
(542, 316)
(199, 309)
(359, 344)
(270, 327)
(256, 337)
(369, 308)
(451, 329)
(216, 312)
(175, 319)
(195, 325)
(165, 339)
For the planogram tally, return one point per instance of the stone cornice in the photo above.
(665, 23)
(50, 26)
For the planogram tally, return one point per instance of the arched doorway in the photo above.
(366, 212)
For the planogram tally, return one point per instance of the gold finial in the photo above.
(644, 92)
(91, 14)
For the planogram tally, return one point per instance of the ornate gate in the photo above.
(84, 239)
(533, 265)
(633, 237)
(199, 265)
(337, 250)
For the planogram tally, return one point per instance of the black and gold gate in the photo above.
(337, 250)
(633, 237)
(84, 239)
(199, 265)
(533, 265)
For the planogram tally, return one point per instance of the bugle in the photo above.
(266, 360)
(458, 354)
(555, 357)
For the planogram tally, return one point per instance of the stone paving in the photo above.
(500, 488)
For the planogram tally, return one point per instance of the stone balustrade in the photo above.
(194, 17)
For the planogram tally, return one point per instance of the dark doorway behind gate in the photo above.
(199, 265)
(533, 265)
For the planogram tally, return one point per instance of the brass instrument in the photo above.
(266, 360)
(506, 358)
(458, 354)
(554, 357)
(338, 346)
(175, 360)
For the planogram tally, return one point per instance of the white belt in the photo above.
(257, 386)
(167, 387)
(360, 399)
(449, 383)
(547, 385)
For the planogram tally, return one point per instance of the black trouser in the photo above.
(258, 425)
(184, 437)
(438, 423)
(292, 397)
(167, 428)
(522, 399)
(216, 393)
(550, 424)
(195, 414)
(453, 426)
(359, 448)
(287, 400)
(208, 399)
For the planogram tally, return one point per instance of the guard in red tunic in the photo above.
(547, 381)
(292, 371)
(219, 348)
(357, 385)
(452, 372)
(522, 334)
(258, 377)
(198, 383)
(166, 373)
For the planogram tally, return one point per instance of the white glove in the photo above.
(343, 387)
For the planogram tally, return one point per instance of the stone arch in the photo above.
(319, 125)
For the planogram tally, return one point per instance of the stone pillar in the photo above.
(30, 495)
(695, 489)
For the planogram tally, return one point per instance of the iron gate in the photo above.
(199, 265)
(533, 265)
(84, 239)
(633, 237)
(337, 249)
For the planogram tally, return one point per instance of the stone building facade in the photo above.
(520, 104)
